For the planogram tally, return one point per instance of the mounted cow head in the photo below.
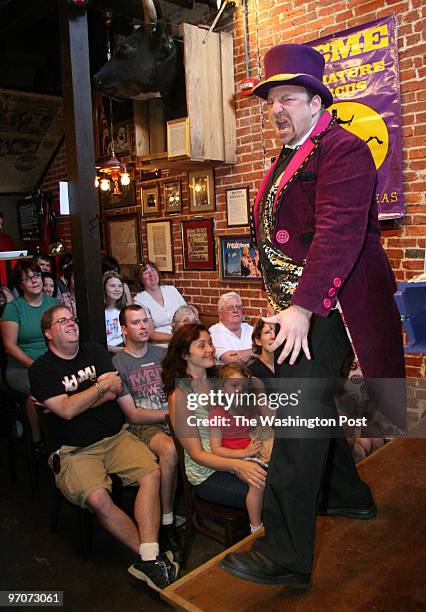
(146, 61)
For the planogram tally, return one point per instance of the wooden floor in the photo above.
(375, 565)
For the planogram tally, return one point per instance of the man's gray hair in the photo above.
(227, 296)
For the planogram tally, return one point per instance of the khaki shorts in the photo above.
(86, 470)
(147, 432)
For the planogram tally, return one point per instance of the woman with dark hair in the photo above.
(50, 286)
(110, 264)
(23, 339)
(161, 300)
(64, 261)
(191, 356)
(68, 297)
(263, 337)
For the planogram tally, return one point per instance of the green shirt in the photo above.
(30, 336)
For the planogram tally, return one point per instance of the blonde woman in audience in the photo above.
(115, 301)
(110, 264)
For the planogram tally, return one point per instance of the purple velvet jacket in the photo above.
(334, 198)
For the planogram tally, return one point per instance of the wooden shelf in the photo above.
(161, 161)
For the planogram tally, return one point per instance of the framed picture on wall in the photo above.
(237, 207)
(159, 243)
(178, 140)
(172, 197)
(239, 259)
(201, 191)
(122, 118)
(125, 197)
(123, 242)
(150, 201)
(198, 246)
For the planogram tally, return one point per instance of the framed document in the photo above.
(150, 201)
(159, 241)
(239, 259)
(123, 242)
(201, 191)
(178, 143)
(198, 244)
(237, 207)
(172, 197)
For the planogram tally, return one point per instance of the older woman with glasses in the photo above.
(184, 315)
(231, 337)
(161, 300)
(23, 340)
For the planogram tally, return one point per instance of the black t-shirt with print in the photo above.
(51, 375)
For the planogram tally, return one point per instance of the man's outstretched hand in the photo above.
(294, 324)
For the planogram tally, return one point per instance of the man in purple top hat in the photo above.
(317, 231)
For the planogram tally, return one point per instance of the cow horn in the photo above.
(149, 12)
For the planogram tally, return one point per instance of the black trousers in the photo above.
(305, 471)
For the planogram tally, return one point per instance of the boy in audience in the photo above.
(43, 261)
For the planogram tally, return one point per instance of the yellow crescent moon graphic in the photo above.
(366, 123)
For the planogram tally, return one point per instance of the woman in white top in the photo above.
(114, 302)
(161, 300)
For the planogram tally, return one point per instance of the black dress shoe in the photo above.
(356, 513)
(256, 567)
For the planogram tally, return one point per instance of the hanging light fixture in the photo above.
(112, 173)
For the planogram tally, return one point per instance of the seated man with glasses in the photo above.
(78, 386)
(231, 337)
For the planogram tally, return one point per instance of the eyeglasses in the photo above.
(230, 308)
(29, 279)
(64, 320)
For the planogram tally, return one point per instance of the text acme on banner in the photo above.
(361, 71)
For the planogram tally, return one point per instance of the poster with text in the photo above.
(362, 73)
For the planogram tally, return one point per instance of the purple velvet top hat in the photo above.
(294, 65)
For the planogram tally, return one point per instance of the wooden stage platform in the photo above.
(375, 565)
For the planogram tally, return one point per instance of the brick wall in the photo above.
(272, 22)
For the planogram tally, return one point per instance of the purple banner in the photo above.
(361, 71)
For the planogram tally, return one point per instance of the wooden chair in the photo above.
(208, 318)
(233, 522)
